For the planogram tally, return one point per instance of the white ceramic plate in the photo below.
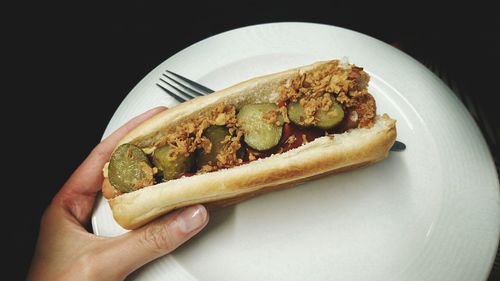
(428, 213)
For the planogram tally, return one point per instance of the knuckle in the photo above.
(159, 238)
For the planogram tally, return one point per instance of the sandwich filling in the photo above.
(329, 100)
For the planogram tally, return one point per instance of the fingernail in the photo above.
(191, 218)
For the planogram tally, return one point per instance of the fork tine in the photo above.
(178, 98)
(192, 83)
(187, 91)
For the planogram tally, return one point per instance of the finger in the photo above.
(158, 238)
(78, 193)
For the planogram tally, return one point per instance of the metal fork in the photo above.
(183, 89)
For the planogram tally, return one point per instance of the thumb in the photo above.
(158, 238)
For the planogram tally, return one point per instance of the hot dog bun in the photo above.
(323, 156)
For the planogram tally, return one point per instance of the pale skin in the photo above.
(66, 251)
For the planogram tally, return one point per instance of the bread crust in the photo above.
(323, 156)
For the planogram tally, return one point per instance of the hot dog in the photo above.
(264, 134)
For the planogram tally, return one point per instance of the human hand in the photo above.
(66, 251)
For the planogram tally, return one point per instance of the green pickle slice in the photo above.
(331, 118)
(216, 134)
(296, 113)
(260, 134)
(129, 168)
(326, 119)
(169, 167)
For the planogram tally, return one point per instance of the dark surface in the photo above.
(72, 66)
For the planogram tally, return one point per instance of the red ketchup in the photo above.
(298, 132)
(282, 103)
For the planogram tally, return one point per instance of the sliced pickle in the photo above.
(259, 133)
(171, 168)
(216, 134)
(331, 118)
(326, 119)
(296, 113)
(129, 168)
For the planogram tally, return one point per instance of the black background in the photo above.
(71, 66)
